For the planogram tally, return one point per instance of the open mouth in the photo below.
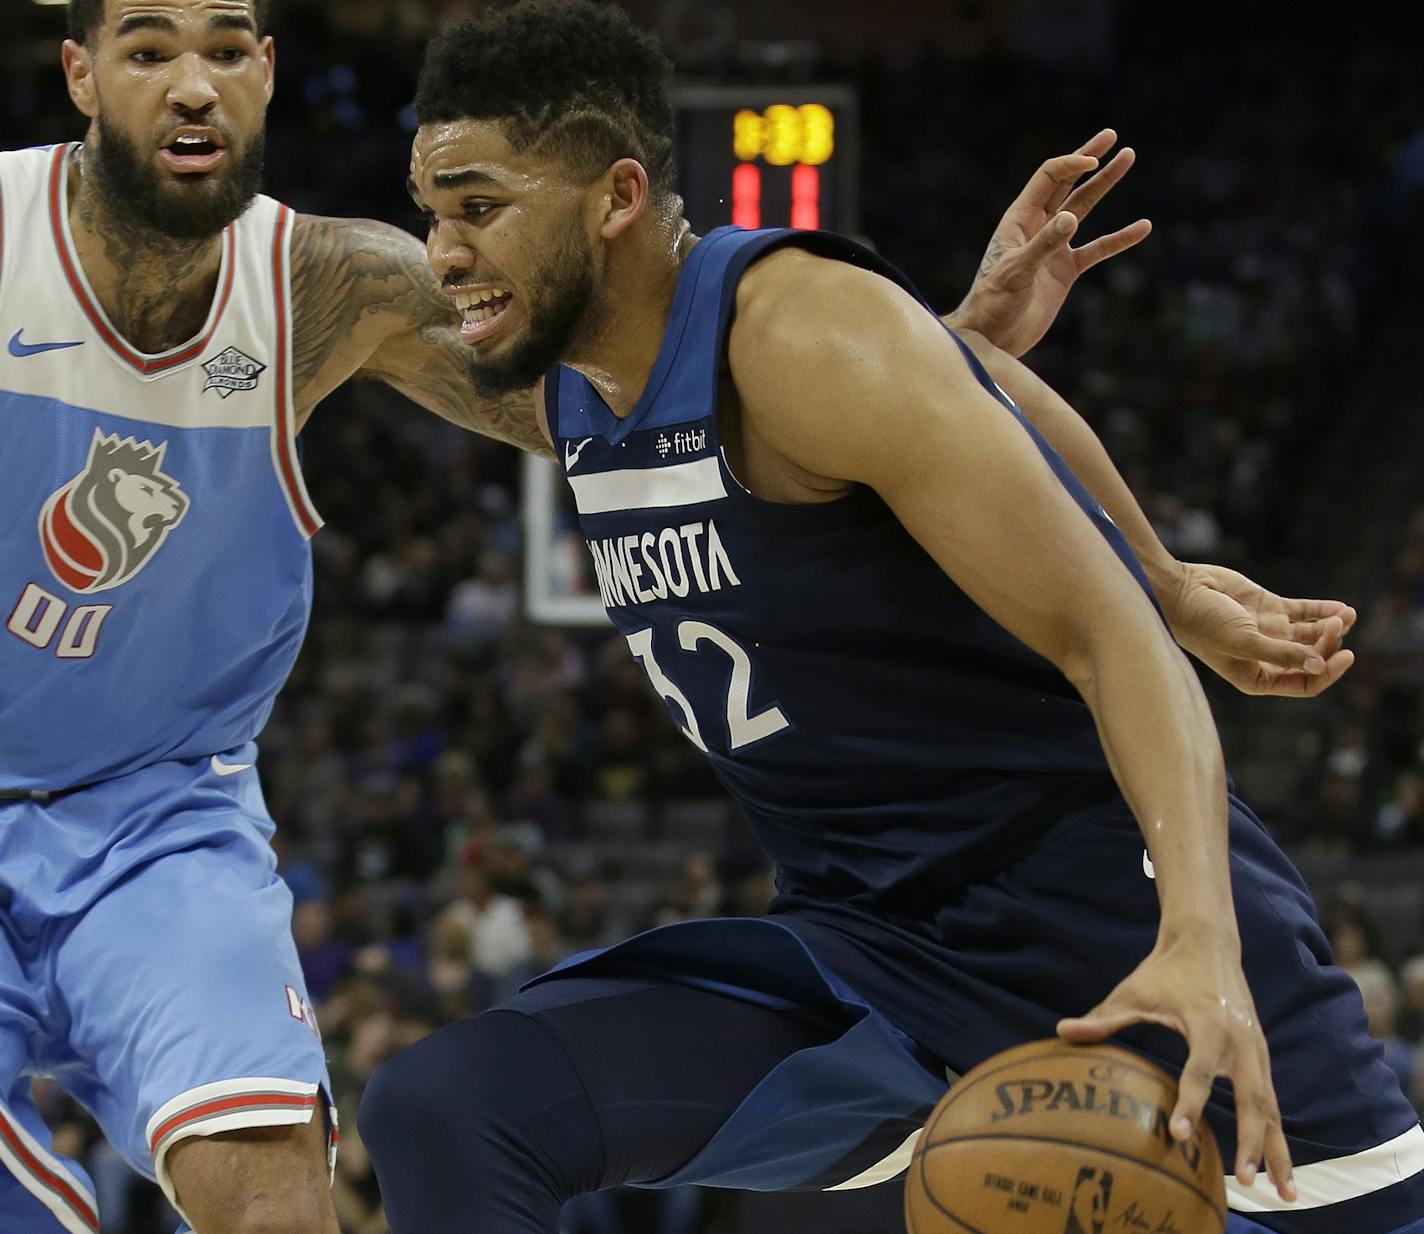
(482, 311)
(193, 151)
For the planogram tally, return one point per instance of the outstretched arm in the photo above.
(1260, 642)
(365, 303)
(846, 378)
(1029, 266)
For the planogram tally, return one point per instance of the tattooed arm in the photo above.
(365, 304)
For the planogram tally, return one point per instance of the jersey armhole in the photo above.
(285, 457)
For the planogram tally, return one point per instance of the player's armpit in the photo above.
(365, 303)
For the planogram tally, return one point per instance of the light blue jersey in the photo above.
(155, 573)
(155, 584)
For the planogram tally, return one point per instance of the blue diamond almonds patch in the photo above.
(231, 371)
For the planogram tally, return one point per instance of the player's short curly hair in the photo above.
(575, 77)
(86, 16)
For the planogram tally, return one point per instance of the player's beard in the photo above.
(131, 188)
(567, 287)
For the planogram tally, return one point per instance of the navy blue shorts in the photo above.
(924, 994)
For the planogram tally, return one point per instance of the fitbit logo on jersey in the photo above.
(675, 561)
(689, 441)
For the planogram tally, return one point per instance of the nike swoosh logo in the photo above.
(571, 456)
(229, 769)
(20, 350)
(1147, 867)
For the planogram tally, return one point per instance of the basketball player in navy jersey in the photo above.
(937, 672)
(166, 331)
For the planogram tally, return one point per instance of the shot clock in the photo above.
(768, 156)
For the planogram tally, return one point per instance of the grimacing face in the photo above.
(178, 93)
(509, 238)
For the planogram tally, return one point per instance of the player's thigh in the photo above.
(189, 1014)
(599, 1080)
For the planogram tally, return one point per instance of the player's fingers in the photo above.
(1278, 1160)
(1316, 610)
(1109, 1017)
(1194, 1087)
(1282, 652)
(1090, 192)
(1051, 237)
(1318, 634)
(1090, 254)
(1294, 684)
(1049, 186)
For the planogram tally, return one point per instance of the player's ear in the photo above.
(269, 60)
(623, 196)
(79, 74)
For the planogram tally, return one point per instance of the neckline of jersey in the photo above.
(147, 365)
(617, 429)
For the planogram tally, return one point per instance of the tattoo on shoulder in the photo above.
(365, 303)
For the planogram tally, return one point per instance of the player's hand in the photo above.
(1197, 988)
(1260, 642)
(1029, 265)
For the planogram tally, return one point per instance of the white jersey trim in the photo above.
(148, 367)
(284, 426)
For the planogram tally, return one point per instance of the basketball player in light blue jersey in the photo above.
(165, 331)
(928, 643)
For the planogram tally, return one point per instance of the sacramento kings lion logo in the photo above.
(101, 528)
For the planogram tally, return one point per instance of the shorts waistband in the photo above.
(41, 796)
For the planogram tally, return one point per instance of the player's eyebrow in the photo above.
(463, 179)
(146, 21)
(233, 21)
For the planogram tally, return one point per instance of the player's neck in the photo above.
(632, 315)
(157, 291)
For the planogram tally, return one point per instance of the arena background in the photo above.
(464, 796)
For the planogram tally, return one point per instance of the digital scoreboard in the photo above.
(769, 157)
(753, 156)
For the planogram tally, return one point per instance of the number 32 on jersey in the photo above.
(743, 728)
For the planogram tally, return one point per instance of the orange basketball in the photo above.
(1051, 1138)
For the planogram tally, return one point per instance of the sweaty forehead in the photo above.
(464, 151)
(119, 11)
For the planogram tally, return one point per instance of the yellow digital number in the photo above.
(784, 135)
(747, 135)
(818, 134)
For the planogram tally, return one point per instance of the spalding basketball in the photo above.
(1052, 1138)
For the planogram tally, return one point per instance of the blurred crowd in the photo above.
(464, 799)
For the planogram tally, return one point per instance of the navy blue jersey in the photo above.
(881, 732)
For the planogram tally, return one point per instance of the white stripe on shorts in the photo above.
(1336, 1180)
(682, 484)
(1319, 1184)
(47, 1178)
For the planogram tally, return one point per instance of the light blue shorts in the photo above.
(147, 964)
